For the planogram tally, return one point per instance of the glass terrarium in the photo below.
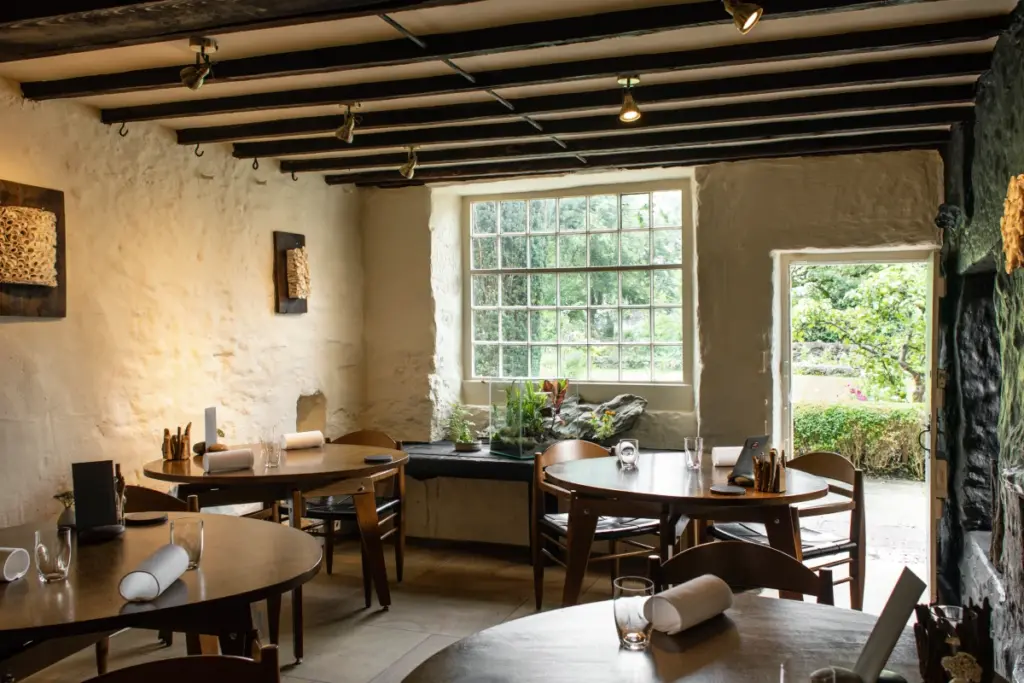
(522, 413)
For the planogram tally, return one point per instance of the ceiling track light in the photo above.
(193, 77)
(347, 131)
(408, 169)
(744, 14)
(630, 112)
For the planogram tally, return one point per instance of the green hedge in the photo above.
(880, 439)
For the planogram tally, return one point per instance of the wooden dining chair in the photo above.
(201, 669)
(846, 494)
(743, 566)
(549, 528)
(390, 508)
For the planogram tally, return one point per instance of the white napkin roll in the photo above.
(725, 456)
(688, 604)
(15, 563)
(155, 574)
(298, 440)
(228, 461)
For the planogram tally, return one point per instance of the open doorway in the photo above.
(855, 379)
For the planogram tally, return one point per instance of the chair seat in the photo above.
(814, 543)
(340, 507)
(608, 528)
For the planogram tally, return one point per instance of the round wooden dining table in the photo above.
(244, 561)
(330, 470)
(599, 486)
(758, 640)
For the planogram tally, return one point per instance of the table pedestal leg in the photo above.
(298, 508)
(782, 524)
(369, 528)
(582, 525)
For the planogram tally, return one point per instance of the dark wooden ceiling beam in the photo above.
(635, 142)
(886, 141)
(856, 75)
(486, 41)
(603, 124)
(745, 53)
(53, 27)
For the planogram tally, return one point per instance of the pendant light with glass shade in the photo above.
(630, 112)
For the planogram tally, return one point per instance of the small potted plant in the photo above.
(460, 430)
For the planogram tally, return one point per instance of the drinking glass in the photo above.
(693, 451)
(630, 594)
(271, 448)
(188, 533)
(628, 452)
(53, 554)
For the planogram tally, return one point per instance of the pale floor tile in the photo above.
(404, 666)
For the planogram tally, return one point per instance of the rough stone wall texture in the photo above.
(399, 319)
(748, 210)
(446, 287)
(170, 302)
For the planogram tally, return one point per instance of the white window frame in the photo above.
(660, 395)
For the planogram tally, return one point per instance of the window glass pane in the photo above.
(668, 247)
(572, 214)
(668, 286)
(572, 251)
(513, 216)
(513, 252)
(604, 212)
(636, 211)
(543, 361)
(513, 290)
(513, 325)
(636, 363)
(485, 218)
(485, 290)
(574, 362)
(485, 360)
(485, 253)
(604, 249)
(604, 325)
(636, 325)
(544, 326)
(668, 363)
(543, 214)
(668, 209)
(573, 326)
(543, 250)
(636, 288)
(604, 289)
(514, 361)
(636, 248)
(485, 325)
(604, 363)
(668, 324)
(572, 289)
(542, 290)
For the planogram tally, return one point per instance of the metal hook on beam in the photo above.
(295, 177)
(197, 152)
(255, 164)
(123, 131)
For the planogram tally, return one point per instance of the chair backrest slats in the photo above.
(368, 437)
(562, 451)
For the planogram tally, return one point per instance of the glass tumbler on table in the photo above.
(270, 446)
(628, 452)
(693, 448)
(53, 554)
(188, 533)
(630, 594)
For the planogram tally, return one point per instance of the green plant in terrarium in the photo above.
(523, 415)
(460, 429)
(604, 425)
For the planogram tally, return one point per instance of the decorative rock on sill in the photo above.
(626, 409)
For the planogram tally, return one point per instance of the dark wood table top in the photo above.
(663, 478)
(329, 462)
(244, 560)
(750, 643)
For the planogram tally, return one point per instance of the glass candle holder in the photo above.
(188, 533)
(53, 554)
(628, 598)
(628, 453)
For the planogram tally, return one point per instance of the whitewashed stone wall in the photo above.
(446, 289)
(170, 301)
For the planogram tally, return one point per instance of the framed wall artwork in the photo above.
(33, 268)
(291, 272)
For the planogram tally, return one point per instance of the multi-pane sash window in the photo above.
(588, 287)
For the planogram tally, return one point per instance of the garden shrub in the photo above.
(881, 439)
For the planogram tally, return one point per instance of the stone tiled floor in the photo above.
(446, 595)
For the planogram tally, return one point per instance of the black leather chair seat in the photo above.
(815, 543)
(608, 528)
(339, 507)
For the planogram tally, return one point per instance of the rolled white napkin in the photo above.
(154, 574)
(298, 440)
(725, 456)
(15, 563)
(228, 461)
(688, 604)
